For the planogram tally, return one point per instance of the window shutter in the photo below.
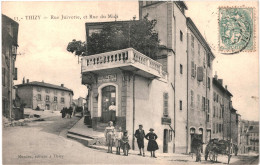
(200, 74)
(206, 105)
(165, 104)
(195, 70)
(192, 68)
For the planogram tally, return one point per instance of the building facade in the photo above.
(172, 93)
(9, 72)
(44, 95)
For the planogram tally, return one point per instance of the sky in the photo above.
(43, 56)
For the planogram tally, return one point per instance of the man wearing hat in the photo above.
(139, 134)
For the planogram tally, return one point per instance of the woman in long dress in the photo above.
(110, 135)
(152, 144)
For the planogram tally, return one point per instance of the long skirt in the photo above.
(125, 146)
(152, 145)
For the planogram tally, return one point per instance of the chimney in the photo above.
(27, 81)
(23, 80)
(220, 81)
(216, 75)
(226, 86)
(62, 85)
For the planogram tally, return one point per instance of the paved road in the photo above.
(46, 142)
(247, 159)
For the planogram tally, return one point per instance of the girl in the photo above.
(152, 144)
(118, 137)
(125, 143)
(110, 135)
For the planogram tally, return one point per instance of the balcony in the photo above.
(126, 59)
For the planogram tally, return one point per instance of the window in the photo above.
(180, 104)
(39, 97)
(62, 100)
(62, 93)
(213, 128)
(217, 98)
(191, 98)
(181, 35)
(47, 98)
(219, 128)
(208, 118)
(192, 41)
(55, 92)
(192, 69)
(39, 89)
(203, 103)
(214, 111)
(181, 69)
(198, 102)
(47, 90)
(208, 107)
(3, 76)
(192, 45)
(199, 52)
(208, 82)
(204, 77)
(165, 104)
(55, 99)
(216, 128)
(204, 60)
(214, 96)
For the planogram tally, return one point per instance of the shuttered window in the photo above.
(208, 107)
(3, 76)
(192, 68)
(208, 82)
(165, 104)
(180, 104)
(191, 98)
(203, 103)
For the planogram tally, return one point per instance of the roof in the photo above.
(43, 84)
(253, 129)
(191, 25)
(220, 86)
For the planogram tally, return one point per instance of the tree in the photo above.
(138, 34)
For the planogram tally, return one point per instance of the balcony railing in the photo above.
(122, 58)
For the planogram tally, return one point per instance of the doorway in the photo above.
(108, 96)
(165, 140)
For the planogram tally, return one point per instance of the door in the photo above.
(108, 96)
(165, 140)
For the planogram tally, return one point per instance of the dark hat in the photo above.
(140, 125)
(151, 129)
(125, 131)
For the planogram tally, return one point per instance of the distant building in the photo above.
(9, 72)
(44, 95)
(221, 110)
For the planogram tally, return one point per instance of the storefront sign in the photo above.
(166, 121)
(107, 78)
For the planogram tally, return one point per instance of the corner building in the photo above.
(170, 93)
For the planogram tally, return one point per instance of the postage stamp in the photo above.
(236, 30)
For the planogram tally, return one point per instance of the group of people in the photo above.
(66, 112)
(120, 140)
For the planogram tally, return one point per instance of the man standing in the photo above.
(139, 134)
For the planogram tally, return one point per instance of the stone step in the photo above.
(83, 140)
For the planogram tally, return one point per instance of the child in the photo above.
(125, 143)
(118, 137)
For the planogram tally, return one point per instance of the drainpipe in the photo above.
(187, 124)
(174, 95)
(133, 141)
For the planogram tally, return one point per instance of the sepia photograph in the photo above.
(130, 82)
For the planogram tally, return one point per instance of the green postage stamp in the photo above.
(236, 30)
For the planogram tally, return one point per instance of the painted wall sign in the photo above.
(107, 78)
